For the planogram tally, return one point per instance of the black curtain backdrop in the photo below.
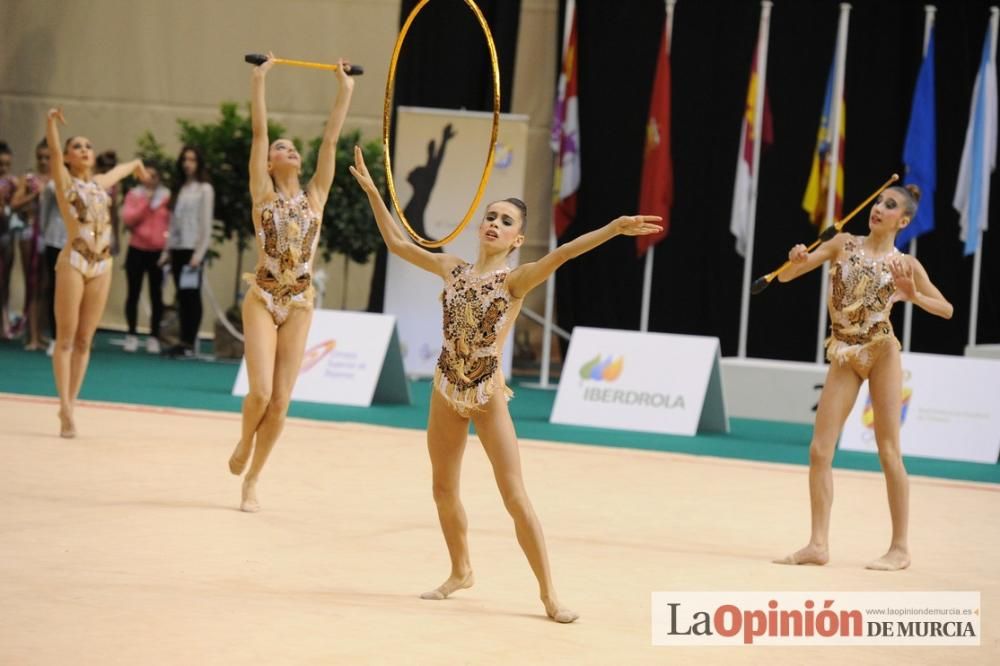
(445, 63)
(698, 275)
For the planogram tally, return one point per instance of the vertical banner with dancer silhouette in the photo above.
(437, 163)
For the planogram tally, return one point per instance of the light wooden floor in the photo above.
(124, 546)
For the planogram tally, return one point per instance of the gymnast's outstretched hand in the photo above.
(638, 225)
(360, 172)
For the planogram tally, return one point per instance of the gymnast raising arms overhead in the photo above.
(277, 310)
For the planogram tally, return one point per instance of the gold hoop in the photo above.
(387, 109)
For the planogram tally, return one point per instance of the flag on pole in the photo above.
(814, 201)
(739, 222)
(566, 130)
(979, 156)
(920, 150)
(657, 192)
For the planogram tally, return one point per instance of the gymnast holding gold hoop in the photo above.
(481, 301)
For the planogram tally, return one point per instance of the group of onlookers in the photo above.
(168, 229)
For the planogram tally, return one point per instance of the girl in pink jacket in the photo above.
(147, 217)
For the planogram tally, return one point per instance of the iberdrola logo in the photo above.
(607, 370)
(868, 416)
(315, 354)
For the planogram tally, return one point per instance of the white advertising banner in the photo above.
(439, 157)
(769, 390)
(351, 358)
(648, 382)
(951, 410)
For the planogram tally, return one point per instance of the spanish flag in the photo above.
(656, 194)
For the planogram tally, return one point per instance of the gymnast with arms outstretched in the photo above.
(481, 301)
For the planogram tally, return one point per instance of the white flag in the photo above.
(739, 222)
(979, 156)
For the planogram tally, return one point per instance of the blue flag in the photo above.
(920, 150)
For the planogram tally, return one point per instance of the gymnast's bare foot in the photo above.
(811, 554)
(249, 503)
(238, 461)
(894, 560)
(67, 428)
(557, 612)
(454, 583)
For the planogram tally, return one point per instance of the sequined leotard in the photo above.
(476, 309)
(861, 296)
(89, 205)
(288, 234)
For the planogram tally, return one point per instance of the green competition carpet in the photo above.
(140, 378)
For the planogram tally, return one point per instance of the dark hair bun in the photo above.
(914, 191)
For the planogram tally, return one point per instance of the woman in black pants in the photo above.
(147, 217)
(192, 201)
(54, 238)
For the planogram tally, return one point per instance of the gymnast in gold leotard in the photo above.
(477, 311)
(862, 292)
(868, 276)
(90, 251)
(480, 302)
(287, 238)
(277, 309)
(83, 269)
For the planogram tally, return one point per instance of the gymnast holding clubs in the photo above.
(83, 269)
(481, 300)
(867, 276)
(277, 309)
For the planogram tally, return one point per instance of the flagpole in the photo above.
(550, 297)
(978, 259)
(974, 304)
(929, 11)
(758, 123)
(550, 283)
(647, 270)
(834, 153)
